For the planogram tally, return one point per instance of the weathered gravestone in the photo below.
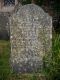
(30, 35)
(4, 26)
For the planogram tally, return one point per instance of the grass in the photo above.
(55, 71)
(52, 71)
(4, 59)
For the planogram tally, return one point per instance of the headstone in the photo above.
(30, 35)
(4, 26)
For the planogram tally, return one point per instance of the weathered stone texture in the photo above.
(30, 35)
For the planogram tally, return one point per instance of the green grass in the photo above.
(4, 59)
(53, 69)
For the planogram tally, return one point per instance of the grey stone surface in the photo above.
(30, 36)
(4, 26)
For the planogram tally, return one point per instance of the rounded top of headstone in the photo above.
(31, 12)
(31, 7)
